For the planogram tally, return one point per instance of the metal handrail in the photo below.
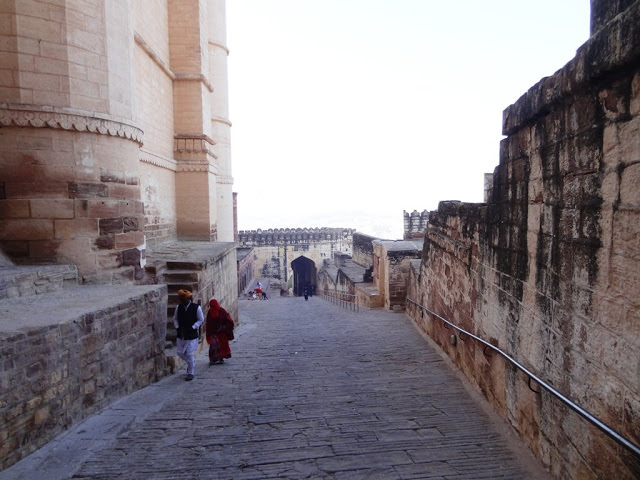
(345, 300)
(574, 406)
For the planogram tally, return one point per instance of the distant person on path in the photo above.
(219, 330)
(306, 293)
(187, 319)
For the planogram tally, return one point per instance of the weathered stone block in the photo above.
(98, 208)
(27, 229)
(81, 227)
(87, 190)
(14, 209)
(131, 224)
(110, 225)
(52, 208)
(129, 240)
(105, 242)
(630, 184)
(132, 256)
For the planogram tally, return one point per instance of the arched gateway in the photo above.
(305, 274)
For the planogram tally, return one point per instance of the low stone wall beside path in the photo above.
(65, 355)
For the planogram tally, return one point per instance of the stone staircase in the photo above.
(177, 276)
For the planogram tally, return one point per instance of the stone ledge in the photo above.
(53, 308)
(67, 354)
(18, 281)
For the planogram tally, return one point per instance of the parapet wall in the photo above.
(275, 249)
(363, 249)
(71, 353)
(415, 224)
(547, 270)
(280, 236)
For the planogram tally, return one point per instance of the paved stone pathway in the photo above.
(313, 391)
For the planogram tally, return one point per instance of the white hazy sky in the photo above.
(347, 112)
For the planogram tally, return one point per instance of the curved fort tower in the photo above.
(114, 131)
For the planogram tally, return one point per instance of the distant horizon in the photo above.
(386, 225)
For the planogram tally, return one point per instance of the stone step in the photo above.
(177, 276)
(184, 265)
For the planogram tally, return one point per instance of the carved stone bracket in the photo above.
(193, 143)
(35, 116)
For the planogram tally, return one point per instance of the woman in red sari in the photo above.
(219, 330)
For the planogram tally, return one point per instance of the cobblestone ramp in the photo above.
(312, 391)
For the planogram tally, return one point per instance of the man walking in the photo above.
(187, 319)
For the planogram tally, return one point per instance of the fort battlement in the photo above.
(280, 236)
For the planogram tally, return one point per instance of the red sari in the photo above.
(218, 328)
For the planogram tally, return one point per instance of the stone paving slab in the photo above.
(312, 391)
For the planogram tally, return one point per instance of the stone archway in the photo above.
(305, 273)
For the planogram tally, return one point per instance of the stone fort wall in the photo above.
(547, 269)
(71, 352)
(275, 249)
(114, 131)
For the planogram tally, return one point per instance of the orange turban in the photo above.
(184, 293)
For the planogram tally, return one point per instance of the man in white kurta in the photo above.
(187, 319)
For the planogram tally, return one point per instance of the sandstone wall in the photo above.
(275, 249)
(154, 114)
(547, 270)
(69, 183)
(69, 354)
(110, 131)
(71, 197)
(363, 249)
(392, 261)
(246, 260)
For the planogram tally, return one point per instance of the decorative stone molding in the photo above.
(224, 180)
(37, 116)
(222, 120)
(158, 160)
(193, 166)
(219, 45)
(195, 77)
(192, 143)
(153, 55)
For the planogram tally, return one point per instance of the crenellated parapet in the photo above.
(287, 236)
(415, 224)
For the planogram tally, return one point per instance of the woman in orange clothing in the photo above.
(219, 330)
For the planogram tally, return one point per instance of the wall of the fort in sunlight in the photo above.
(114, 131)
(547, 270)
